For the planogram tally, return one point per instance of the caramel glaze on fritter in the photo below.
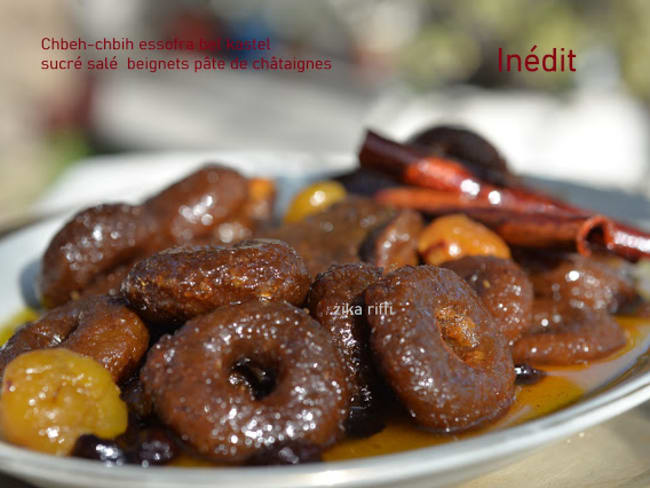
(206, 381)
(101, 241)
(335, 235)
(504, 288)
(99, 327)
(336, 302)
(439, 348)
(177, 284)
(574, 297)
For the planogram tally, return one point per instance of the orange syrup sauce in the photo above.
(562, 386)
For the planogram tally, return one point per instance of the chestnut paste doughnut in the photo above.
(92, 243)
(503, 286)
(439, 348)
(334, 301)
(568, 335)
(103, 239)
(175, 285)
(248, 377)
(99, 327)
(192, 207)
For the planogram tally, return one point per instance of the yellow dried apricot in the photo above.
(454, 236)
(50, 397)
(313, 199)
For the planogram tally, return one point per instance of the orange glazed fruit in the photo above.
(454, 236)
(313, 199)
(52, 396)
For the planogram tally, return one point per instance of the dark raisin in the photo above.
(153, 446)
(363, 422)
(286, 453)
(527, 375)
(138, 403)
(107, 451)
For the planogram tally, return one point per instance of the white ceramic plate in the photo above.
(433, 466)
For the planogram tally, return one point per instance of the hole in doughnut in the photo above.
(259, 378)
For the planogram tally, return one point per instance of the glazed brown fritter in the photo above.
(439, 348)
(394, 244)
(504, 288)
(175, 285)
(99, 327)
(574, 297)
(205, 381)
(94, 242)
(578, 281)
(194, 206)
(336, 302)
(568, 335)
(207, 206)
(335, 235)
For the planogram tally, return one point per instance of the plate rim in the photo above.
(388, 467)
